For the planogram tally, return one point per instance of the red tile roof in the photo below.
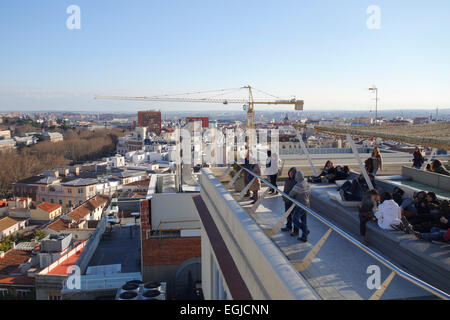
(16, 280)
(58, 225)
(87, 207)
(12, 260)
(61, 269)
(140, 183)
(49, 207)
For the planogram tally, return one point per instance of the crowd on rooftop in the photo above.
(423, 214)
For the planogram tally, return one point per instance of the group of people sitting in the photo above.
(435, 165)
(331, 173)
(354, 190)
(422, 215)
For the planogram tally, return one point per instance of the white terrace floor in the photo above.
(339, 270)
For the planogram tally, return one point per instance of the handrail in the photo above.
(435, 291)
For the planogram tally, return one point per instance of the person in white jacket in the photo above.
(272, 167)
(389, 212)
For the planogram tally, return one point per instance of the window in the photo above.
(60, 202)
(3, 292)
(52, 201)
(43, 199)
(70, 203)
(23, 292)
(54, 296)
(69, 190)
(42, 189)
(80, 190)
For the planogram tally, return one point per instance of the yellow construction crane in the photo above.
(249, 104)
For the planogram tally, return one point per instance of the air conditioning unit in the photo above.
(154, 291)
(137, 290)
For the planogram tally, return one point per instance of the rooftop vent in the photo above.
(128, 295)
(130, 286)
(151, 294)
(152, 285)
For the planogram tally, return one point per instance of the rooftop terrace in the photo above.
(331, 265)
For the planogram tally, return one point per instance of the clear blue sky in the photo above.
(320, 51)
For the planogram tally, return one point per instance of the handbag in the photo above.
(446, 235)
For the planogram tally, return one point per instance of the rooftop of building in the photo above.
(140, 183)
(87, 207)
(49, 207)
(7, 222)
(60, 224)
(29, 180)
(78, 214)
(61, 266)
(80, 182)
(119, 245)
(12, 260)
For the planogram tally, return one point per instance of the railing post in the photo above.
(283, 162)
(358, 159)
(432, 154)
(306, 152)
(260, 200)
(377, 295)
(280, 222)
(233, 181)
(245, 190)
(313, 252)
(226, 172)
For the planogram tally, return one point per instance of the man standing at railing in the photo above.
(301, 193)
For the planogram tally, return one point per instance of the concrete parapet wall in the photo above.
(431, 179)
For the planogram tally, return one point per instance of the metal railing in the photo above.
(396, 270)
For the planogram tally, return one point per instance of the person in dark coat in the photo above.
(418, 159)
(256, 185)
(288, 185)
(367, 209)
(300, 192)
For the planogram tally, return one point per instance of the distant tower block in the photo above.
(151, 120)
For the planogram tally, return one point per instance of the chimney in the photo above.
(13, 245)
(2, 254)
